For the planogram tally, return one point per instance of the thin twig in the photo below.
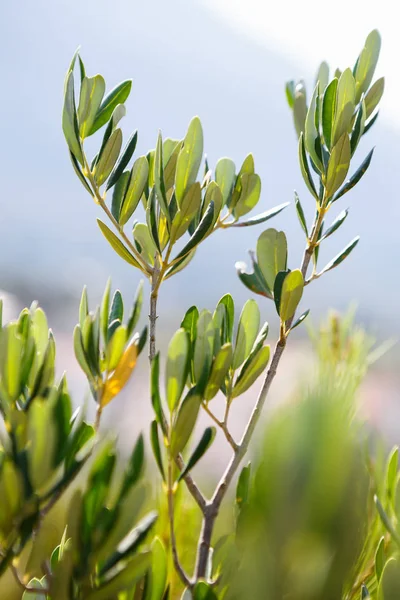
(223, 426)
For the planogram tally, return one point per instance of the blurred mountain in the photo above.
(182, 63)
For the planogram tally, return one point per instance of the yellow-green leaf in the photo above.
(338, 165)
(292, 291)
(189, 159)
(177, 367)
(271, 254)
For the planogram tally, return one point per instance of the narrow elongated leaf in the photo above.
(261, 218)
(292, 291)
(289, 89)
(70, 121)
(177, 367)
(190, 206)
(300, 213)
(203, 348)
(144, 242)
(225, 175)
(249, 323)
(108, 157)
(117, 245)
(180, 264)
(251, 371)
(78, 171)
(374, 96)
(91, 95)
(354, 179)
(155, 392)
(155, 445)
(305, 169)
(300, 319)
(359, 126)
(189, 159)
(159, 183)
(80, 354)
(340, 257)
(213, 194)
(151, 220)
(253, 281)
(335, 225)
(118, 196)
(124, 579)
(227, 302)
(159, 570)
(338, 165)
(118, 95)
(185, 421)
(366, 63)
(391, 475)
(243, 485)
(328, 112)
(205, 442)
(135, 189)
(271, 254)
(121, 375)
(311, 134)
(219, 369)
(322, 76)
(345, 104)
(200, 233)
(380, 559)
(299, 108)
(123, 160)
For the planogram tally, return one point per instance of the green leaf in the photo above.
(227, 302)
(380, 559)
(328, 112)
(300, 213)
(159, 183)
(80, 354)
(261, 218)
(177, 367)
(374, 96)
(359, 126)
(155, 392)
(340, 257)
(185, 421)
(91, 95)
(251, 370)
(118, 95)
(136, 309)
(36, 584)
(124, 579)
(219, 369)
(203, 347)
(335, 225)
(305, 169)
(189, 159)
(203, 591)
(279, 279)
(338, 165)
(116, 244)
(200, 233)
(370, 122)
(159, 569)
(354, 179)
(345, 104)
(300, 319)
(391, 475)
(300, 108)
(205, 442)
(179, 264)
(144, 242)
(366, 63)
(253, 281)
(249, 196)
(249, 323)
(136, 185)
(155, 445)
(108, 157)
(322, 76)
(271, 254)
(243, 484)
(292, 291)
(190, 206)
(151, 220)
(213, 194)
(83, 307)
(115, 347)
(289, 89)
(225, 175)
(70, 121)
(118, 196)
(364, 592)
(311, 134)
(78, 171)
(123, 161)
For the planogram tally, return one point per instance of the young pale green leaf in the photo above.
(136, 185)
(340, 257)
(200, 233)
(91, 95)
(243, 486)
(354, 179)
(380, 559)
(159, 182)
(70, 121)
(115, 347)
(328, 112)
(205, 442)
(177, 367)
(305, 169)
(155, 445)
(189, 159)
(190, 206)
(300, 213)
(144, 242)
(338, 165)
(117, 96)
(123, 160)
(311, 134)
(335, 225)
(80, 354)
(300, 319)
(83, 307)
(300, 108)
(366, 63)
(171, 149)
(249, 323)
(203, 348)
(345, 105)
(271, 254)
(185, 421)
(108, 157)
(249, 195)
(117, 245)
(118, 196)
(374, 96)
(225, 175)
(292, 291)
(322, 76)
(219, 370)
(261, 218)
(180, 264)
(289, 89)
(251, 370)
